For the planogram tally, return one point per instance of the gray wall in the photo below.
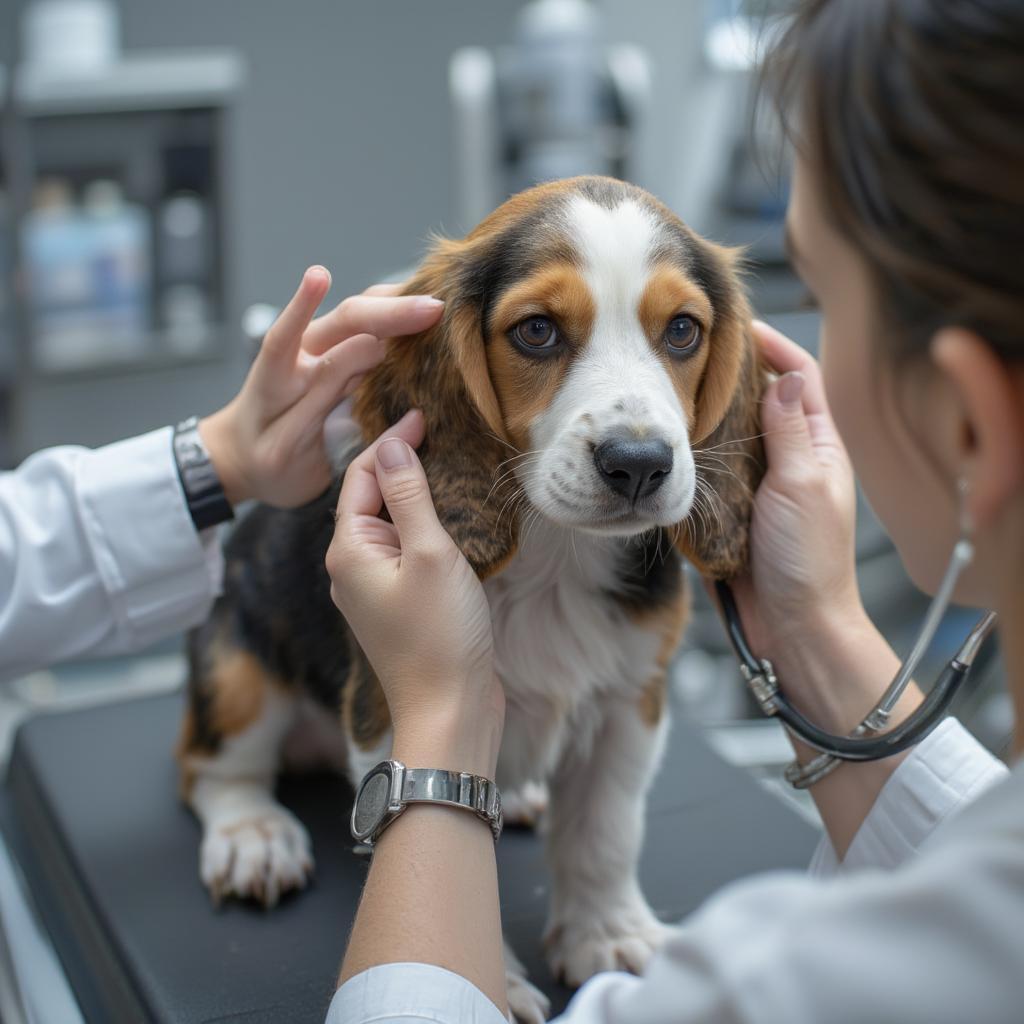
(340, 154)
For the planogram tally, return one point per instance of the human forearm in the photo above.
(835, 679)
(432, 893)
(98, 554)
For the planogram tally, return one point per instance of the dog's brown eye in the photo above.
(682, 336)
(535, 332)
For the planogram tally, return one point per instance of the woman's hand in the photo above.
(417, 610)
(802, 528)
(799, 604)
(267, 443)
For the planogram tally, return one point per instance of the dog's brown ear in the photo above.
(444, 373)
(726, 443)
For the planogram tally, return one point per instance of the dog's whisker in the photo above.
(736, 440)
(500, 440)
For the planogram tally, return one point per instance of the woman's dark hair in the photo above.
(911, 113)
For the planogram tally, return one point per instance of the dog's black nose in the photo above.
(633, 468)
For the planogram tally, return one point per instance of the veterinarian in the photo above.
(106, 551)
(906, 222)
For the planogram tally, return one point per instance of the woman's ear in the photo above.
(987, 439)
(443, 372)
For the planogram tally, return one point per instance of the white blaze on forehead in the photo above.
(615, 246)
(618, 368)
(616, 384)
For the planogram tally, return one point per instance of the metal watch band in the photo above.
(457, 789)
(388, 788)
(204, 495)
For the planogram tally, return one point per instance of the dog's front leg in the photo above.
(599, 918)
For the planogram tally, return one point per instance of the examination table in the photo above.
(90, 813)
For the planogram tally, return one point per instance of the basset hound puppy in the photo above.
(591, 400)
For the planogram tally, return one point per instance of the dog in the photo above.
(591, 401)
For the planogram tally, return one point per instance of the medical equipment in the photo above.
(557, 102)
(867, 742)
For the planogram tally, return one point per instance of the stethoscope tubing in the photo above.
(909, 732)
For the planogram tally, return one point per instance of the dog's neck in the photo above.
(549, 554)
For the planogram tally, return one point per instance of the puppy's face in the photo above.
(600, 332)
(596, 355)
(591, 344)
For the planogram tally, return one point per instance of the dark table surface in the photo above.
(92, 814)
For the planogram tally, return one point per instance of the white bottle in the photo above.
(58, 276)
(121, 278)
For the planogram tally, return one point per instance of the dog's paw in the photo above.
(526, 806)
(258, 856)
(526, 1003)
(581, 946)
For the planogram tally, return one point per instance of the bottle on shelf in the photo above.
(184, 247)
(88, 275)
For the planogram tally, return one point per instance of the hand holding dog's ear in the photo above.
(802, 573)
(416, 607)
(267, 443)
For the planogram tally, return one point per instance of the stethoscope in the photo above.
(867, 742)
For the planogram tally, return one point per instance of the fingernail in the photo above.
(394, 453)
(791, 387)
(318, 271)
(427, 303)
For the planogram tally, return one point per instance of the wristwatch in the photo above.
(390, 787)
(207, 503)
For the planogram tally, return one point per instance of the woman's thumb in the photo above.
(786, 435)
(404, 488)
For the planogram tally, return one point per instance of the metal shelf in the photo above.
(153, 80)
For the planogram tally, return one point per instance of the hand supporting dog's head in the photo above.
(594, 363)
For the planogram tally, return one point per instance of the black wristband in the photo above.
(204, 495)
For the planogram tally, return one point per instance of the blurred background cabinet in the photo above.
(295, 133)
(113, 199)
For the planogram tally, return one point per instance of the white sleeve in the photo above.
(945, 772)
(937, 940)
(98, 554)
(411, 994)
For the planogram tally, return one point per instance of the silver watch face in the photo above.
(371, 804)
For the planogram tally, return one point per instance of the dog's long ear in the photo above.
(444, 373)
(726, 444)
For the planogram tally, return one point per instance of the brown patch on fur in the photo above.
(239, 690)
(652, 700)
(237, 683)
(186, 744)
(725, 438)
(444, 373)
(730, 346)
(669, 623)
(365, 714)
(526, 386)
(522, 205)
(669, 293)
(730, 464)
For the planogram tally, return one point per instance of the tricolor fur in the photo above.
(572, 474)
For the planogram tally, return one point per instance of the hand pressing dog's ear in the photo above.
(443, 372)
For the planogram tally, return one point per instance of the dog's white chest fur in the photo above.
(563, 647)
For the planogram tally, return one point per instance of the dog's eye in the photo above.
(535, 332)
(682, 336)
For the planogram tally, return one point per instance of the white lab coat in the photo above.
(923, 923)
(98, 554)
